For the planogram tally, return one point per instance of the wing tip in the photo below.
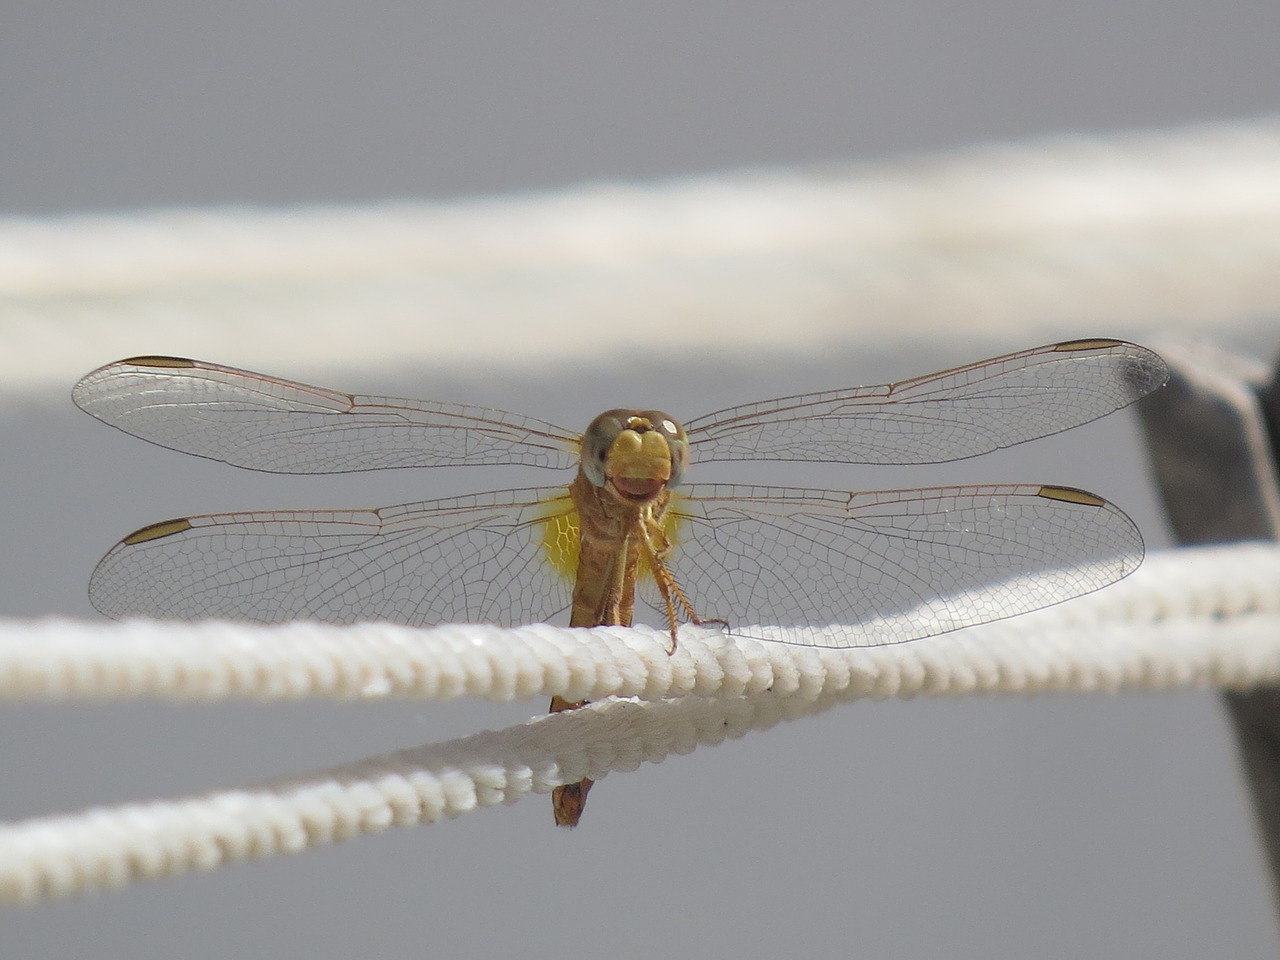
(1089, 343)
(1144, 369)
(1070, 495)
(85, 393)
(155, 360)
(157, 531)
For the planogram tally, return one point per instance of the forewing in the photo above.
(466, 559)
(893, 565)
(950, 415)
(265, 423)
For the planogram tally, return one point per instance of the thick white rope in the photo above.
(1124, 234)
(1130, 634)
(1190, 617)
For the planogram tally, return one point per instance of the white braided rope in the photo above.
(1097, 641)
(59, 856)
(1203, 617)
(1026, 244)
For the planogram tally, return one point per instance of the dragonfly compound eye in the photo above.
(596, 442)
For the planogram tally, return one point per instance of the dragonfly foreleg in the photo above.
(673, 596)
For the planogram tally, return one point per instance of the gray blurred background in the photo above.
(1053, 827)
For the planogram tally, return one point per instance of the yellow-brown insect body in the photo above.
(621, 496)
(613, 533)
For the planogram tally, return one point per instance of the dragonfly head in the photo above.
(634, 452)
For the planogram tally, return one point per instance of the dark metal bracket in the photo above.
(1212, 435)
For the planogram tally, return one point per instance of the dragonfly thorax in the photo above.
(635, 453)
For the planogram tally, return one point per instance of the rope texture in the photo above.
(1204, 617)
(1094, 642)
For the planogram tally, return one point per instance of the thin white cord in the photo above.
(1190, 617)
(59, 856)
(1022, 243)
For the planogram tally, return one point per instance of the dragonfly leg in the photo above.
(689, 611)
(672, 595)
(668, 587)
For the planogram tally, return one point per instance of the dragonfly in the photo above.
(800, 566)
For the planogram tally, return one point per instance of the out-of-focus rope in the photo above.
(1205, 616)
(1007, 244)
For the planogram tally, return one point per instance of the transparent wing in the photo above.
(467, 559)
(888, 566)
(951, 415)
(265, 423)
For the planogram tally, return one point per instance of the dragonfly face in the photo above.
(634, 454)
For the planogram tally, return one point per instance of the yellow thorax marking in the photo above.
(561, 538)
(560, 541)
